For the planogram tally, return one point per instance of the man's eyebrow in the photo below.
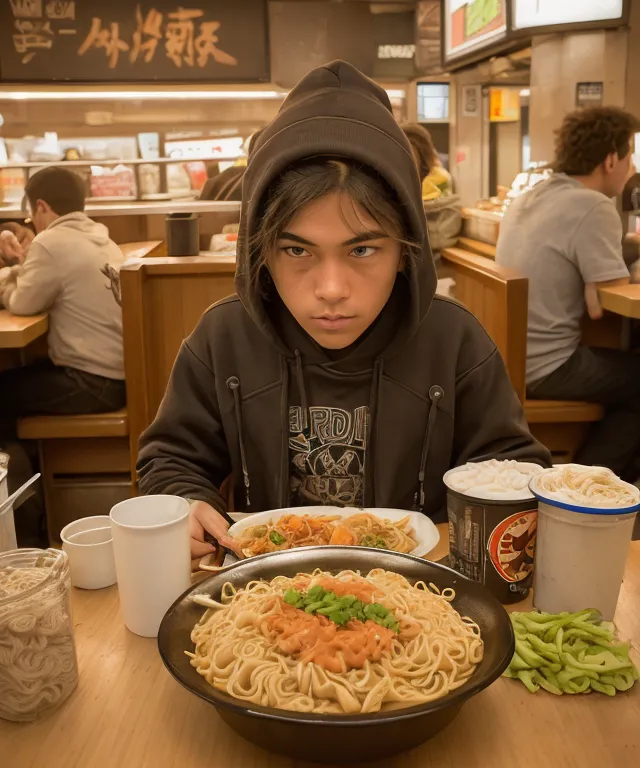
(295, 238)
(363, 237)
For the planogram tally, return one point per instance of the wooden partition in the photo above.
(498, 297)
(162, 301)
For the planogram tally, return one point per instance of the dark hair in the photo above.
(588, 136)
(422, 146)
(60, 188)
(315, 178)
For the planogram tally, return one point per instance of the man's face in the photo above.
(618, 171)
(334, 270)
(42, 215)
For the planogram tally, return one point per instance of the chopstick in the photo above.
(226, 516)
(212, 540)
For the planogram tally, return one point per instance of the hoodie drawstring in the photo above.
(301, 387)
(371, 429)
(234, 385)
(435, 395)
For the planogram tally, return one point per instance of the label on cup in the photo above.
(511, 546)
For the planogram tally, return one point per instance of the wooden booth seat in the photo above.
(498, 297)
(84, 461)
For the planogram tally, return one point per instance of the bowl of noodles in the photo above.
(336, 654)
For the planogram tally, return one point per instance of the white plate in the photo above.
(425, 532)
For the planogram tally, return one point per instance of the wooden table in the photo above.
(18, 332)
(129, 713)
(622, 300)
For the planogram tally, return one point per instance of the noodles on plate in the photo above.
(361, 529)
(412, 646)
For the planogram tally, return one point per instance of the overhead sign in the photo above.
(547, 13)
(120, 40)
(471, 25)
(504, 105)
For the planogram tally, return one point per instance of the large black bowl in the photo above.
(339, 738)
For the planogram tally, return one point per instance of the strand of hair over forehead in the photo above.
(269, 233)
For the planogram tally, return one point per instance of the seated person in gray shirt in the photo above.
(565, 236)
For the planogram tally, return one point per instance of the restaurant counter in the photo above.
(128, 711)
(145, 220)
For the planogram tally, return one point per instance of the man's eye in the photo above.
(296, 251)
(362, 251)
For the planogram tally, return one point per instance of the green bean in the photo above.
(569, 653)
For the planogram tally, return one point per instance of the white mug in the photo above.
(153, 561)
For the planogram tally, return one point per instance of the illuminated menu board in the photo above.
(527, 14)
(472, 25)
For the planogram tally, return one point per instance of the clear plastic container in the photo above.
(38, 665)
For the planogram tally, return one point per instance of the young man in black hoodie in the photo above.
(335, 376)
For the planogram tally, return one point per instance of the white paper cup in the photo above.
(153, 561)
(89, 547)
(581, 555)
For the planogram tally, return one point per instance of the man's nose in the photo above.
(332, 281)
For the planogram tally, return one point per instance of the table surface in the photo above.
(622, 300)
(18, 332)
(129, 713)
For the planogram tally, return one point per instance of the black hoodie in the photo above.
(252, 395)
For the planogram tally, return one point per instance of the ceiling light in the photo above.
(117, 95)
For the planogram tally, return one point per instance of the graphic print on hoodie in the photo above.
(434, 385)
(329, 450)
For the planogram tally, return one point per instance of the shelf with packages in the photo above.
(161, 178)
(145, 220)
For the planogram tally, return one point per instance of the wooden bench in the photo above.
(85, 464)
(498, 297)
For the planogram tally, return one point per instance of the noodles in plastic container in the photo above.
(38, 667)
(586, 516)
(492, 525)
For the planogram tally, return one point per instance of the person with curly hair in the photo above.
(565, 236)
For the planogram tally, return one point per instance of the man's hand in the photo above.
(10, 248)
(592, 301)
(204, 519)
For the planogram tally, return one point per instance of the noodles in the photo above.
(38, 667)
(493, 479)
(361, 529)
(255, 646)
(586, 486)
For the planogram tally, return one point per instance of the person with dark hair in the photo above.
(436, 180)
(336, 376)
(442, 208)
(227, 185)
(60, 274)
(565, 236)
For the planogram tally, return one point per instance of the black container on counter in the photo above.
(183, 234)
(493, 541)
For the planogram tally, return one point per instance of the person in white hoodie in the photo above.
(61, 273)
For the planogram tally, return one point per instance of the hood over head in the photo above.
(81, 224)
(336, 111)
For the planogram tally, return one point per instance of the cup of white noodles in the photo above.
(586, 517)
(492, 525)
(38, 667)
